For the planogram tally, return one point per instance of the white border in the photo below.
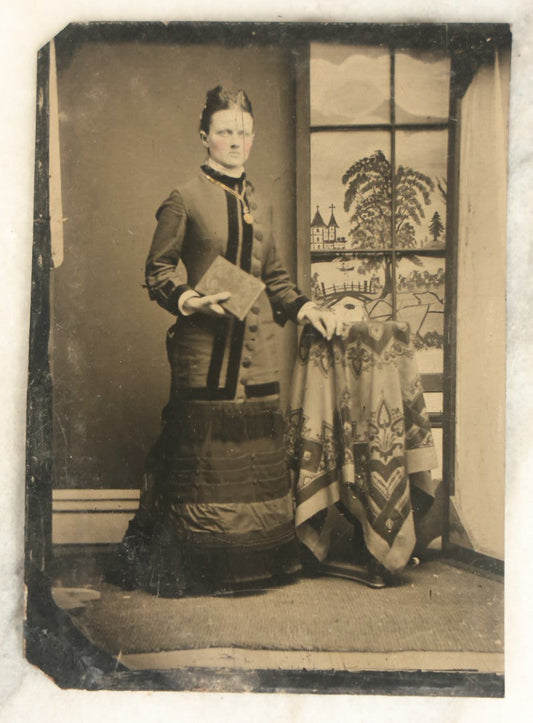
(25, 694)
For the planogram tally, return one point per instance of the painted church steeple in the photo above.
(332, 225)
(324, 237)
(318, 221)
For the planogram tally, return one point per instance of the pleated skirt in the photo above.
(216, 510)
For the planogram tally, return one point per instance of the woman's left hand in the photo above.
(324, 321)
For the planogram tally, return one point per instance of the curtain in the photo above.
(480, 401)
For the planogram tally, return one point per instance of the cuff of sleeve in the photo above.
(293, 308)
(173, 296)
(300, 318)
(283, 312)
(187, 294)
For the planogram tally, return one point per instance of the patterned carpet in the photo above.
(437, 607)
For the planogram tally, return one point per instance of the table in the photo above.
(358, 432)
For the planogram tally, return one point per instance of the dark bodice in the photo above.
(219, 358)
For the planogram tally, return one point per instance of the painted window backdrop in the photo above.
(379, 155)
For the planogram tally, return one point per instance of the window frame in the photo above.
(432, 382)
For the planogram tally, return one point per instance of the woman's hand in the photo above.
(209, 304)
(324, 321)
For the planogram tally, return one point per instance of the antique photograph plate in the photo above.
(370, 142)
(374, 511)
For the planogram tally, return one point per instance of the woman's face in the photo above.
(230, 137)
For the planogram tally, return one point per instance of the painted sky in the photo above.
(347, 86)
(352, 85)
(422, 84)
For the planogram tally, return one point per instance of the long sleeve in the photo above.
(285, 297)
(164, 282)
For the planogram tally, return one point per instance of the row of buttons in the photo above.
(247, 362)
(256, 271)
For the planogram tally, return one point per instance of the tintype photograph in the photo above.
(266, 386)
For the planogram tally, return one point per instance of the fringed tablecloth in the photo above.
(359, 433)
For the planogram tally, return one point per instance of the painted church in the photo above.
(324, 236)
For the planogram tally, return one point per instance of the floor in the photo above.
(438, 617)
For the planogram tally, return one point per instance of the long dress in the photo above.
(216, 508)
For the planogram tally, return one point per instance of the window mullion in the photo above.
(393, 181)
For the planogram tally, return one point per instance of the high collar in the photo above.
(219, 168)
(231, 181)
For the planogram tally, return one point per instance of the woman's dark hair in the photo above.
(220, 98)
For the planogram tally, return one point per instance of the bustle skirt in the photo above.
(216, 509)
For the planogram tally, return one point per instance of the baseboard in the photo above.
(91, 516)
(456, 554)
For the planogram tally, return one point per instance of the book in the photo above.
(244, 288)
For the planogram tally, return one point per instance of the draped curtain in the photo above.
(480, 401)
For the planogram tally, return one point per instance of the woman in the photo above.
(216, 507)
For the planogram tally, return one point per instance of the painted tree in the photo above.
(436, 227)
(442, 185)
(368, 200)
(315, 285)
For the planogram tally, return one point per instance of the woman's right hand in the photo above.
(209, 304)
